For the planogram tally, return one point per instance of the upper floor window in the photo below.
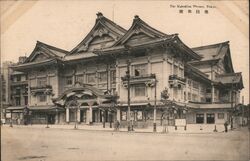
(80, 78)
(42, 98)
(140, 90)
(208, 90)
(69, 80)
(195, 85)
(112, 76)
(42, 81)
(18, 78)
(91, 78)
(103, 77)
(18, 101)
(18, 91)
(175, 70)
(140, 70)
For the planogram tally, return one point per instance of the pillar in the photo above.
(78, 115)
(67, 115)
(118, 115)
(212, 94)
(90, 114)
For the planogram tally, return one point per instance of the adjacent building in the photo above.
(140, 75)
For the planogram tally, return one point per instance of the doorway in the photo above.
(199, 118)
(210, 118)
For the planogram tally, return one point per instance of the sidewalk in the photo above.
(191, 128)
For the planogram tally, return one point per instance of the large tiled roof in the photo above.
(214, 51)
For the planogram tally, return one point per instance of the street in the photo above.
(42, 144)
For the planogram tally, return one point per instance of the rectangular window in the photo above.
(189, 83)
(175, 70)
(208, 100)
(79, 79)
(18, 91)
(195, 85)
(42, 98)
(189, 96)
(175, 93)
(112, 76)
(91, 78)
(140, 90)
(25, 100)
(103, 77)
(41, 81)
(140, 70)
(181, 73)
(220, 115)
(18, 102)
(194, 97)
(208, 90)
(18, 78)
(69, 80)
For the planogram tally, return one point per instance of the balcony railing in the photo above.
(19, 83)
(148, 79)
(46, 89)
(176, 81)
(41, 87)
(175, 77)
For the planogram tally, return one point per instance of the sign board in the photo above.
(8, 115)
(180, 122)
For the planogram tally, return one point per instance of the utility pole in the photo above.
(128, 78)
(154, 124)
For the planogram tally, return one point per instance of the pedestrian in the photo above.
(118, 125)
(226, 124)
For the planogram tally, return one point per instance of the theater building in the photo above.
(112, 70)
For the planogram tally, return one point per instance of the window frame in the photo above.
(136, 92)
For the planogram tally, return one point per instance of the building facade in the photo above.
(140, 77)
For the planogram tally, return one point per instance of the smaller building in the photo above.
(18, 95)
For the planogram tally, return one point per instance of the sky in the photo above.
(65, 23)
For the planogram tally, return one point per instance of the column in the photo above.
(165, 77)
(212, 94)
(78, 115)
(90, 114)
(118, 115)
(67, 115)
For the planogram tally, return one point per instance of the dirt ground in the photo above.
(42, 144)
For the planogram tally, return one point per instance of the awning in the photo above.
(134, 104)
(15, 109)
(210, 106)
(46, 108)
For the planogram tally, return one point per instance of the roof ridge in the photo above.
(115, 24)
(210, 45)
(229, 74)
(52, 47)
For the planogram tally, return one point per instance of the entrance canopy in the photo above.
(84, 95)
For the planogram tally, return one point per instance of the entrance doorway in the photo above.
(199, 118)
(210, 118)
(51, 118)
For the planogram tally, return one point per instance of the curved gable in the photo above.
(104, 34)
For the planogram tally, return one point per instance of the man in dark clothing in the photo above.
(226, 124)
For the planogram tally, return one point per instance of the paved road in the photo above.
(41, 144)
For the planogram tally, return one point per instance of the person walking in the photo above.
(225, 125)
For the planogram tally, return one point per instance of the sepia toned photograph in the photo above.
(124, 80)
